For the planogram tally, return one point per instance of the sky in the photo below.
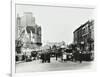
(58, 23)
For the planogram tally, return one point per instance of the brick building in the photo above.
(84, 36)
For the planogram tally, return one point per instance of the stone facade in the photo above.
(28, 31)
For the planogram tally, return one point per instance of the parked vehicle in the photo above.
(69, 54)
(28, 58)
(33, 55)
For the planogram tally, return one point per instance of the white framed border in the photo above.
(13, 23)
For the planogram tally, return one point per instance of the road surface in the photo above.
(37, 66)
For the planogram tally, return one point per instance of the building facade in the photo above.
(27, 31)
(84, 36)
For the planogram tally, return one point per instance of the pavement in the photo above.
(37, 66)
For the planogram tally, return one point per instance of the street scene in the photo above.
(52, 41)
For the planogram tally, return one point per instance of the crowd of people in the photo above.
(62, 53)
(45, 56)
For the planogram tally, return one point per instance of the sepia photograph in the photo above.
(53, 38)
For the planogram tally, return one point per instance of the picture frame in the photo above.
(13, 23)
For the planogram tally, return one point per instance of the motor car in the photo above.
(28, 58)
(69, 54)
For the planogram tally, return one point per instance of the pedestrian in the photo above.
(80, 57)
(75, 56)
(42, 57)
(48, 57)
(64, 56)
(56, 54)
(45, 57)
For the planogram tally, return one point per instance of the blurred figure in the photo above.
(75, 56)
(80, 57)
(42, 57)
(48, 57)
(64, 56)
(56, 54)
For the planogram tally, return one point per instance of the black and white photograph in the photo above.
(53, 38)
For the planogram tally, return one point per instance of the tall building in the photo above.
(84, 36)
(28, 31)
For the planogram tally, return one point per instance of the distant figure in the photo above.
(45, 57)
(56, 54)
(75, 56)
(64, 56)
(80, 57)
(48, 57)
(42, 57)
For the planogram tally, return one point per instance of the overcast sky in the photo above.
(57, 23)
